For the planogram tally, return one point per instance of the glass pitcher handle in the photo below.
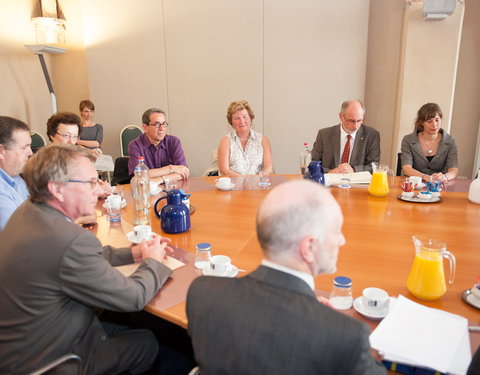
(451, 258)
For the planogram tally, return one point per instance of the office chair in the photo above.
(37, 141)
(213, 170)
(399, 164)
(128, 134)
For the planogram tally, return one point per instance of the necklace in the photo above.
(244, 139)
(429, 145)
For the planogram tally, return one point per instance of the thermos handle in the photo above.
(447, 254)
(155, 207)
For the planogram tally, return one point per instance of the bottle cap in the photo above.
(204, 246)
(140, 158)
(342, 282)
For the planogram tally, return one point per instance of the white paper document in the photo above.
(421, 336)
(104, 163)
(129, 269)
(355, 178)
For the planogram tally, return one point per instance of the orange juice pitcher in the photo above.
(427, 278)
(379, 182)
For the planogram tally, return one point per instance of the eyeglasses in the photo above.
(353, 122)
(158, 124)
(93, 182)
(68, 136)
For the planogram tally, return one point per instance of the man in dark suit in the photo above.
(350, 146)
(53, 273)
(270, 322)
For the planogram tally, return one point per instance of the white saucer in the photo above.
(132, 238)
(232, 272)
(232, 185)
(420, 186)
(124, 203)
(358, 306)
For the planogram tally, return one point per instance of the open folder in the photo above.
(420, 336)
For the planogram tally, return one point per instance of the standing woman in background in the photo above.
(430, 152)
(92, 133)
(243, 151)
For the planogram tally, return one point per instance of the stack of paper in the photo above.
(355, 178)
(420, 336)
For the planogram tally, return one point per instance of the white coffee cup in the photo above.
(415, 180)
(220, 264)
(154, 188)
(142, 232)
(375, 300)
(224, 182)
(114, 201)
(476, 293)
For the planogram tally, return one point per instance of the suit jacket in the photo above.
(366, 148)
(445, 158)
(270, 322)
(52, 274)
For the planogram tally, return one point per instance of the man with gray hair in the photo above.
(15, 149)
(163, 153)
(270, 322)
(350, 146)
(53, 274)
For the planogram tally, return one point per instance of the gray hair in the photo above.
(283, 230)
(347, 103)
(51, 164)
(148, 112)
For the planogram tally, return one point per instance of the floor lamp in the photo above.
(39, 50)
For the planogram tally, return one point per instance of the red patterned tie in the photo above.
(346, 150)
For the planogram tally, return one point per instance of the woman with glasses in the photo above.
(92, 133)
(243, 151)
(430, 152)
(64, 128)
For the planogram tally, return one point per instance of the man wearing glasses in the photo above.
(55, 274)
(350, 146)
(14, 151)
(163, 153)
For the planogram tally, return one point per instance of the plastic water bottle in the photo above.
(144, 170)
(141, 198)
(305, 158)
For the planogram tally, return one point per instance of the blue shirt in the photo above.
(13, 192)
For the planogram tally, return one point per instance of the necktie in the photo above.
(346, 150)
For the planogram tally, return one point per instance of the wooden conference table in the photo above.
(378, 252)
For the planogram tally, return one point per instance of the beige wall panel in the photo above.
(466, 108)
(428, 69)
(69, 71)
(384, 36)
(23, 90)
(214, 56)
(315, 58)
(126, 63)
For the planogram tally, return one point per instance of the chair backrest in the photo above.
(120, 172)
(399, 164)
(213, 170)
(128, 134)
(37, 141)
